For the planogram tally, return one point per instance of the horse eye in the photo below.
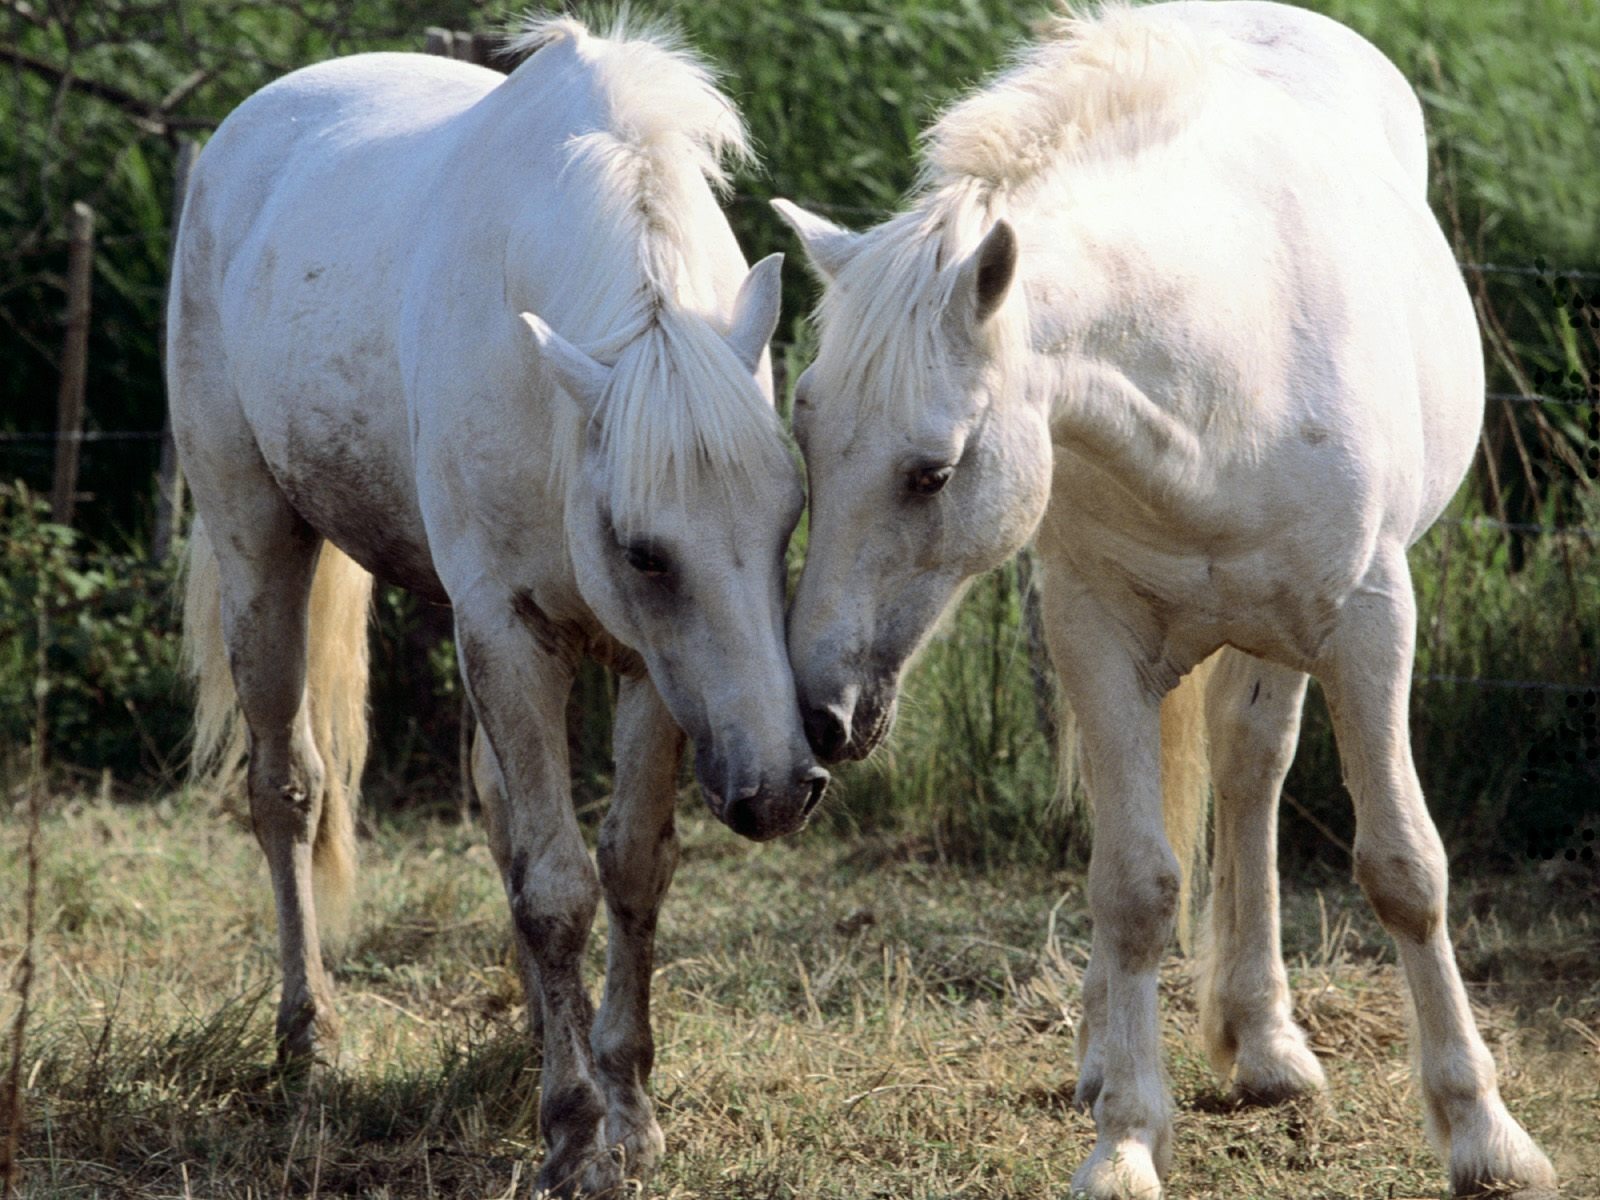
(928, 481)
(646, 561)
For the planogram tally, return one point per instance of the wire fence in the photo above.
(42, 439)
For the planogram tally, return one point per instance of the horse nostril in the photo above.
(826, 733)
(817, 779)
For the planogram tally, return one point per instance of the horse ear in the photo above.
(755, 310)
(829, 247)
(578, 375)
(987, 274)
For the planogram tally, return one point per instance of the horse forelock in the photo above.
(886, 345)
(682, 414)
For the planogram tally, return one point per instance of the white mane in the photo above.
(1104, 86)
(679, 401)
(1099, 89)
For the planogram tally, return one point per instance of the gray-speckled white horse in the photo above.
(1172, 298)
(373, 263)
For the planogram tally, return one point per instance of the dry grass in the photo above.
(833, 1020)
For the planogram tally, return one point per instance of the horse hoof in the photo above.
(1125, 1171)
(1284, 1071)
(639, 1147)
(593, 1177)
(1501, 1161)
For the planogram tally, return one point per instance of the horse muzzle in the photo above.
(851, 725)
(763, 809)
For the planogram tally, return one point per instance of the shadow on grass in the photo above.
(200, 1107)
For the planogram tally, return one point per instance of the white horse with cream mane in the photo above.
(1171, 298)
(375, 259)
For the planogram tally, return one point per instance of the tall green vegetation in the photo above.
(835, 96)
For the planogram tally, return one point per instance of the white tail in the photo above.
(336, 691)
(1185, 778)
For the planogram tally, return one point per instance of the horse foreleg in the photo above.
(490, 786)
(1133, 897)
(1400, 865)
(519, 691)
(637, 853)
(1253, 720)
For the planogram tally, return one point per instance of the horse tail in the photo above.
(336, 694)
(1185, 779)
(1186, 784)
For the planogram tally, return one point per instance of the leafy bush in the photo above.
(88, 648)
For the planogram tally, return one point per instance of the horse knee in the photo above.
(1405, 884)
(1136, 900)
(553, 907)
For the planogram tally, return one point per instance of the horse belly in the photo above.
(355, 488)
(308, 328)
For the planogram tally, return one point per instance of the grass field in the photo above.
(834, 1018)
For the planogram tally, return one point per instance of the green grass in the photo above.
(836, 1018)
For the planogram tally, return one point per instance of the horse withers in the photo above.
(492, 339)
(1171, 299)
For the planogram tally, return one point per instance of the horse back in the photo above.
(292, 257)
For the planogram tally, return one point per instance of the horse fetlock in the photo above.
(1260, 1046)
(307, 1029)
(623, 1058)
(1133, 1146)
(1091, 1065)
(1220, 1044)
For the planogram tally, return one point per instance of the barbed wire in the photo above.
(1531, 270)
(83, 435)
(1520, 685)
(1534, 270)
(1520, 527)
(1537, 398)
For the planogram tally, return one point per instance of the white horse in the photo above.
(355, 360)
(1172, 297)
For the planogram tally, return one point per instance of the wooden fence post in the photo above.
(476, 48)
(169, 476)
(74, 362)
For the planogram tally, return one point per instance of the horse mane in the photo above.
(1097, 89)
(679, 400)
(1101, 86)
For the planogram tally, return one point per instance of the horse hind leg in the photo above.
(266, 560)
(1253, 720)
(1400, 865)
